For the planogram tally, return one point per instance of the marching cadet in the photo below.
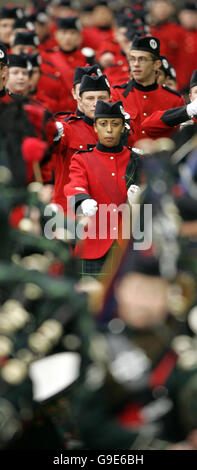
(102, 28)
(142, 95)
(165, 123)
(50, 83)
(67, 56)
(162, 71)
(20, 26)
(26, 41)
(18, 75)
(171, 80)
(7, 18)
(97, 178)
(166, 74)
(42, 29)
(64, 116)
(44, 87)
(78, 132)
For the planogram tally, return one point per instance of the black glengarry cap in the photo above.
(94, 83)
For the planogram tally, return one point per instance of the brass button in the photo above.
(145, 114)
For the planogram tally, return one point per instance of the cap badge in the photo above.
(153, 44)
(107, 82)
(165, 63)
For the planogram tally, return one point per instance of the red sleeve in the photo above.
(78, 176)
(155, 127)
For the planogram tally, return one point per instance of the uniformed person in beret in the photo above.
(67, 56)
(18, 75)
(162, 71)
(97, 178)
(78, 75)
(171, 79)
(142, 95)
(26, 41)
(8, 15)
(42, 29)
(78, 131)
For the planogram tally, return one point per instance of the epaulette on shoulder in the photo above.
(49, 75)
(86, 150)
(124, 85)
(171, 91)
(44, 61)
(72, 117)
(54, 49)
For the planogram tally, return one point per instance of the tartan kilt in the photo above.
(97, 268)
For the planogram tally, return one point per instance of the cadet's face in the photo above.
(42, 30)
(89, 99)
(34, 78)
(161, 10)
(188, 19)
(6, 29)
(68, 39)
(102, 16)
(161, 78)
(18, 80)
(143, 66)
(193, 93)
(171, 83)
(109, 130)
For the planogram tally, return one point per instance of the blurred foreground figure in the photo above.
(37, 290)
(139, 365)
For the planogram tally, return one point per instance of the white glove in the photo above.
(60, 129)
(131, 193)
(192, 108)
(89, 207)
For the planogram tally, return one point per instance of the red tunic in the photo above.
(164, 124)
(65, 64)
(48, 43)
(141, 102)
(77, 135)
(84, 183)
(93, 36)
(5, 97)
